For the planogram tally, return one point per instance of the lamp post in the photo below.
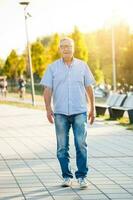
(26, 15)
(113, 56)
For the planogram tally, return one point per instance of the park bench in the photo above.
(112, 99)
(117, 112)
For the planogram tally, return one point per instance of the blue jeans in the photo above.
(63, 124)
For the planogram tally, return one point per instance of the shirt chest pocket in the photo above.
(78, 79)
(59, 78)
(77, 75)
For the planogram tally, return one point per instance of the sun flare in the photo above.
(50, 16)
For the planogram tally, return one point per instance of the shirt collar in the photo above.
(72, 63)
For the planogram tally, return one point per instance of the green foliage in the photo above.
(14, 65)
(95, 48)
(104, 52)
(127, 67)
(45, 40)
(39, 59)
(21, 69)
(99, 45)
(81, 50)
(54, 47)
(98, 73)
(1, 66)
(122, 37)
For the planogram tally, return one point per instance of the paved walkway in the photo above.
(29, 168)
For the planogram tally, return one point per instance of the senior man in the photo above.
(69, 81)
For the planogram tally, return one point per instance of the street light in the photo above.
(26, 15)
(113, 55)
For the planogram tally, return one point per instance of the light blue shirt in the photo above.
(68, 85)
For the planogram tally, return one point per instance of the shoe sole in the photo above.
(83, 187)
(67, 185)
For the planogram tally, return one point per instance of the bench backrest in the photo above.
(128, 102)
(112, 99)
(120, 100)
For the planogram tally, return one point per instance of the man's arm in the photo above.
(91, 100)
(47, 99)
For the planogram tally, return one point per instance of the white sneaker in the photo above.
(67, 182)
(83, 183)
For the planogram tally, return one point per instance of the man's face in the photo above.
(66, 49)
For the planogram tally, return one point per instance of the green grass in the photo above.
(22, 105)
(27, 96)
(38, 98)
(125, 122)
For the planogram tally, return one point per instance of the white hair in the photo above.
(67, 38)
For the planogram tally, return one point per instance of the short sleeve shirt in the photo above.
(68, 85)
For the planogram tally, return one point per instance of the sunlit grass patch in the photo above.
(22, 105)
(125, 122)
(26, 96)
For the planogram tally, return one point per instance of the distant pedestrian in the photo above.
(21, 87)
(3, 86)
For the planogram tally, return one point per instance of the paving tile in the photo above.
(28, 159)
(8, 185)
(93, 197)
(11, 195)
(114, 191)
(130, 190)
(120, 196)
(55, 191)
(10, 190)
(67, 197)
(88, 192)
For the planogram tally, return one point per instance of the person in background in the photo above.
(3, 86)
(21, 87)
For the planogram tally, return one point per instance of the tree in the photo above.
(45, 40)
(54, 47)
(81, 51)
(122, 35)
(39, 58)
(1, 66)
(127, 67)
(98, 73)
(21, 69)
(15, 65)
(99, 45)
(11, 64)
(104, 53)
(96, 55)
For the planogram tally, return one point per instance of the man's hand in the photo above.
(91, 117)
(50, 115)
(47, 100)
(91, 101)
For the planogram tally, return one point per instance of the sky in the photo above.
(50, 16)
